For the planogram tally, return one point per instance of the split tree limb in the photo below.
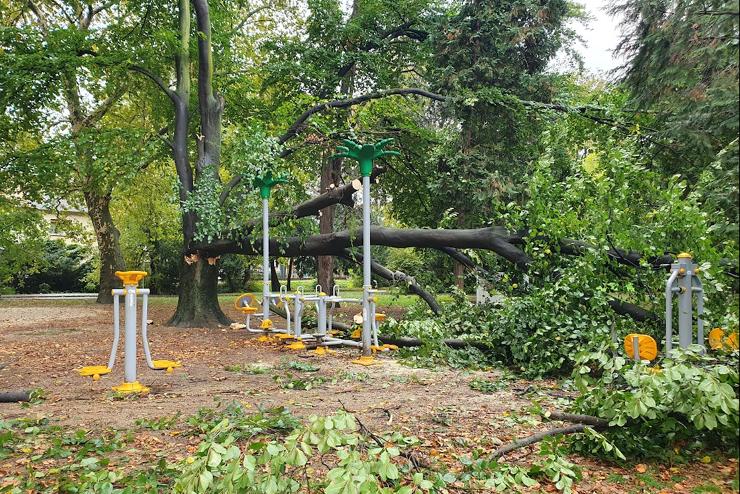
(535, 438)
(582, 422)
(392, 276)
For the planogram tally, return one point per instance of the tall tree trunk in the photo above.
(107, 236)
(330, 174)
(197, 303)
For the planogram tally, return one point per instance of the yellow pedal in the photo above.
(134, 387)
(380, 317)
(266, 324)
(366, 360)
(377, 348)
(296, 345)
(94, 371)
(390, 347)
(356, 334)
(285, 336)
(168, 365)
(265, 339)
(322, 350)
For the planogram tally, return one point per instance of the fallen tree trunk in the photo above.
(408, 342)
(334, 244)
(14, 396)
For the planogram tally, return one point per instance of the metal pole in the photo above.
(129, 373)
(636, 348)
(699, 290)
(366, 269)
(116, 328)
(144, 335)
(669, 312)
(265, 260)
(685, 299)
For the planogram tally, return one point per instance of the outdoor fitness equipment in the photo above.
(365, 155)
(684, 282)
(265, 183)
(130, 281)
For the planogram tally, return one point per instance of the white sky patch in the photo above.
(600, 37)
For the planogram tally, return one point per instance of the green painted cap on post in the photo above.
(365, 154)
(266, 182)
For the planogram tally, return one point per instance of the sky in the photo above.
(601, 35)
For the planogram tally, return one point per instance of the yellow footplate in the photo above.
(322, 350)
(94, 371)
(134, 387)
(169, 365)
(285, 336)
(366, 360)
(296, 345)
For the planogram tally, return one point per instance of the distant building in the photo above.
(67, 222)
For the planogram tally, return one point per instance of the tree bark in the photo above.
(290, 274)
(107, 236)
(459, 271)
(197, 303)
(330, 174)
(274, 280)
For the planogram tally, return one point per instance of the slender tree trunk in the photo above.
(107, 236)
(459, 271)
(197, 303)
(290, 274)
(274, 280)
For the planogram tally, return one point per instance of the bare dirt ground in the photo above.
(43, 344)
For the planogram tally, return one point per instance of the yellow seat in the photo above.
(646, 346)
(244, 300)
(131, 277)
(380, 317)
(248, 310)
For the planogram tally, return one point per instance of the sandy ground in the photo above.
(43, 344)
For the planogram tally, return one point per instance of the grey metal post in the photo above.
(669, 311)
(322, 315)
(685, 299)
(636, 348)
(698, 289)
(129, 373)
(116, 328)
(265, 260)
(366, 267)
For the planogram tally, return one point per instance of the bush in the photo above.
(687, 402)
(235, 271)
(62, 268)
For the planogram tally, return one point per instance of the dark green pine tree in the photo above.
(485, 55)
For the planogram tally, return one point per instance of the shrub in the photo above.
(688, 401)
(62, 268)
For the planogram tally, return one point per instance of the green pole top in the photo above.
(266, 182)
(365, 154)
